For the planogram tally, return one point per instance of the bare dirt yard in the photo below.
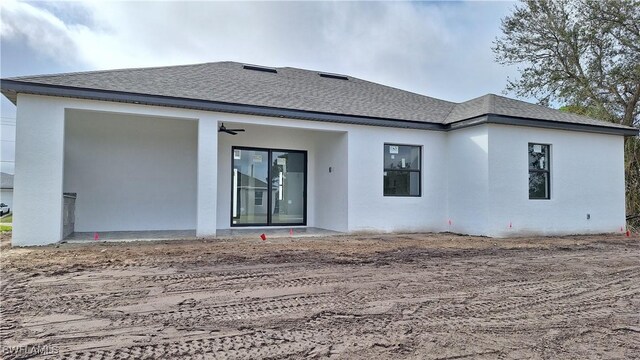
(421, 296)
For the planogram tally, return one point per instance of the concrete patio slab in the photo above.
(83, 237)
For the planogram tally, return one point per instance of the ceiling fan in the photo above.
(229, 131)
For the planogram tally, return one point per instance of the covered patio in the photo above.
(304, 173)
(152, 172)
(131, 173)
(141, 177)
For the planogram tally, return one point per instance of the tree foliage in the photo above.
(584, 54)
(632, 177)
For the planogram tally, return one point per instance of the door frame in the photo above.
(269, 184)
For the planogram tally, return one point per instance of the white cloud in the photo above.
(41, 30)
(438, 49)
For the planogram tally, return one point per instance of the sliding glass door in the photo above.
(268, 187)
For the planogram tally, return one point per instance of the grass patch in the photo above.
(5, 227)
(7, 218)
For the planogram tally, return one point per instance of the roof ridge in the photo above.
(449, 112)
(491, 102)
(456, 106)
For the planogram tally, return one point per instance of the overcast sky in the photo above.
(440, 49)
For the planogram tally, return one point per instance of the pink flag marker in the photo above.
(96, 237)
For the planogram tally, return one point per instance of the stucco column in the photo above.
(39, 171)
(207, 176)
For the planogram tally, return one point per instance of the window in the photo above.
(402, 170)
(258, 198)
(539, 173)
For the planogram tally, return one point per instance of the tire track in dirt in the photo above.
(569, 301)
(251, 345)
(250, 309)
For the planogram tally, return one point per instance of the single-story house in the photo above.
(6, 190)
(224, 145)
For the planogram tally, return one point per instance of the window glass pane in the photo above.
(538, 157)
(249, 180)
(287, 187)
(259, 198)
(401, 157)
(538, 185)
(402, 183)
(414, 183)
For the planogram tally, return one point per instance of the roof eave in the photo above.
(10, 88)
(13, 87)
(546, 124)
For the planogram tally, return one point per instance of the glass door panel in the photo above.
(249, 187)
(288, 177)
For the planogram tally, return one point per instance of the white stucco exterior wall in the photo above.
(355, 154)
(131, 172)
(332, 198)
(369, 209)
(207, 176)
(38, 171)
(587, 177)
(477, 177)
(468, 180)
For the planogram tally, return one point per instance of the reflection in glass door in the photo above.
(287, 187)
(268, 187)
(249, 183)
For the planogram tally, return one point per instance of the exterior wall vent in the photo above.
(260, 68)
(333, 76)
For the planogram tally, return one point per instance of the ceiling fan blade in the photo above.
(228, 131)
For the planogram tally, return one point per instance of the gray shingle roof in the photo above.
(6, 181)
(298, 89)
(500, 105)
(290, 88)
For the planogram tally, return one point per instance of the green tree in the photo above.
(584, 54)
